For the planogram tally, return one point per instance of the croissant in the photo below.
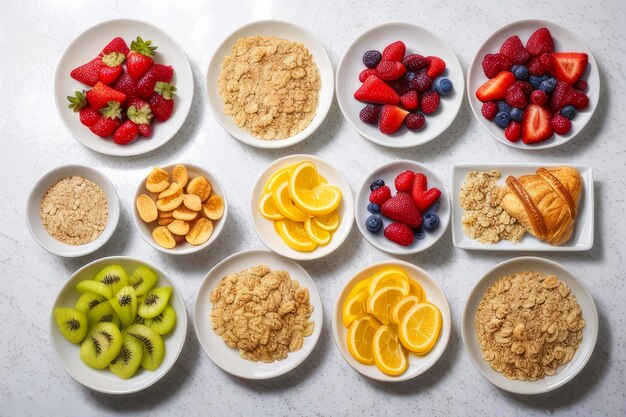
(545, 203)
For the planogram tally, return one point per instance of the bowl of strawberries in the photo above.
(123, 87)
(533, 84)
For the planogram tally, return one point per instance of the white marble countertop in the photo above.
(33, 35)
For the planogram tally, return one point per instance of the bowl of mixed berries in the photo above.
(123, 87)
(533, 85)
(399, 85)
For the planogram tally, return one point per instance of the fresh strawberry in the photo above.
(158, 72)
(564, 94)
(489, 110)
(111, 68)
(421, 82)
(87, 115)
(495, 88)
(139, 112)
(560, 124)
(414, 62)
(404, 181)
(138, 60)
(567, 66)
(538, 97)
(109, 120)
(126, 133)
(88, 73)
(380, 195)
(410, 100)
(145, 130)
(399, 233)
(515, 97)
(429, 102)
(391, 118)
(375, 90)
(535, 67)
(100, 95)
(125, 84)
(514, 50)
(420, 184)
(513, 132)
(162, 102)
(494, 63)
(536, 124)
(366, 73)
(116, 45)
(401, 208)
(436, 66)
(540, 42)
(394, 51)
(390, 70)
(422, 197)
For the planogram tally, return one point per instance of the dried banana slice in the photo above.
(178, 227)
(199, 186)
(146, 208)
(185, 214)
(179, 175)
(163, 237)
(192, 202)
(165, 222)
(165, 214)
(158, 180)
(200, 232)
(169, 203)
(213, 208)
(174, 190)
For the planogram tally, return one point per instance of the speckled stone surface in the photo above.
(33, 35)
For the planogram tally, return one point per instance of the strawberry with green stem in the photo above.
(158, 72)
(109, 121)
(139, 112)
(162, 101)
(139, 59)
(111, 68)
(88, 116)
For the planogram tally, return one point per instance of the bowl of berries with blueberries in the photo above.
(399, 85)
(402, 207)
(533, 84)
(123, 87)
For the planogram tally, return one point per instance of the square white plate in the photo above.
(581, 240)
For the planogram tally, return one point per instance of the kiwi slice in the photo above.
(125, 305)
(72, 323)
(153, 303)
(163, 323)
(153, 346)
(95, 287)
(143, 279)
(88, 301)
(113, 276)
(129, 359)
(103, 313)
(101, 346)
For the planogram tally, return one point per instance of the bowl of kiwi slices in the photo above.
(118, 325)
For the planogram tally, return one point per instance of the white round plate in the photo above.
(564, 373)
(104, 380)
(564, 41)
(264, 228)
(228, 358)
(420, 41)
(417, 364)
(87, 46)
(33, 204)
(388, 173)
(283, 30)
(183, 248)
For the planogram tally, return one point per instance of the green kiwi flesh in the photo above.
(113, 276)
(164, 322)
(143, 279)
(72, 323)
(125, 305)
(125, 365)
(101, 346)
(88, 301)
(95, 287)
(153, 303)
(153, 346)
(103, 313)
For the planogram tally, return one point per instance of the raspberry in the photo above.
(421, 82)
(414, 62)
(526, 87)
(370, 113)
(489, 110)
(372, 58)
(415, 121)
(494, 63)
(560, 124)
(430, 102)
(538, 97)
(515, 97)
(535, 68)
(513, 132)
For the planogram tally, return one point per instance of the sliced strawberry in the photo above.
(390, 70)
(436, 66)
(391, 118)
(139, 59)
(100, 95)
(540, 42)
(116, 45)
(495, 88)
(568, 66)
(536, 124)
(514, 50)
(399, 233)
(401, 208)
(394, 51)
(375, 90)
(88, 73)
(404, 181)
(410, 100)
(158, 72)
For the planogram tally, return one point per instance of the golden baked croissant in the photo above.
(545, 203)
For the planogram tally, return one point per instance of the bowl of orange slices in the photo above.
(391, 321)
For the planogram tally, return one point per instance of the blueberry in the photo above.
(503, 119)
(514, 67)
(420, 233)
(548, 85)
(534, 81)
(544, 77)
(443, 86)
(517, 114)
(373, 208)
(376, 184)
(372, 58)
(521, 72)
(569, 112)
(409, 76)
(503, 107)
(374, 223)
(431, 221)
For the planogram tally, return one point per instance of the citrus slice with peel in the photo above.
(294, 236)
(362, 286)
(316, 233)
(328, 221)
(353, 307)
(389, 354)
(285, 206)
(402, 307)
(417, 290)
(420, 327)
(390, 277)
(268, 208)
(360, 336)
(279, 176)
(382, 301)
(309, 195)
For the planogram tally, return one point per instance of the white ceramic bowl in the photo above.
(228, 358)
(564, 373)
(418, 40)
(86, 47)
(283, 30)
(564, 41)
(33, 204)
(103, 380)
(388, 173)
(264, 228)
(417, 364)
(183, 248)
